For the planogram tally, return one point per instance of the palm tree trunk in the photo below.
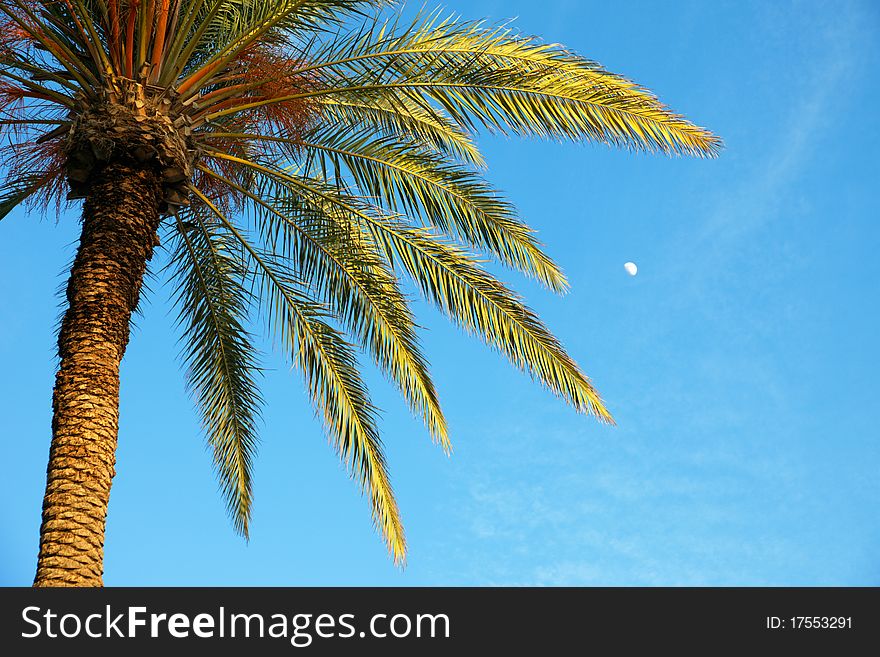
(120, 223)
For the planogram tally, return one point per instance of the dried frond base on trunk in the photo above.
(135, 124)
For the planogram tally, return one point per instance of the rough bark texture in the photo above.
(120, 223)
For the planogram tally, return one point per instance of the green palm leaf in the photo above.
(408, 178)
(16, 192)
(329, 367)
(358, 288)
(492, 78)
(219, 355)
(465, 292)
(404, 120)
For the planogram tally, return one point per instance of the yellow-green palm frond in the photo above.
(229, 28)
(330, 369)
(353, 281)
(453, 280)
(471, 297)
(221, 361)
(405, 120)
(494, 78)
(406, 177)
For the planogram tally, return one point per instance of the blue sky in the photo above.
(739, 363)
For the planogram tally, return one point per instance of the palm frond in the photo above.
(329, 366)
(475, 300)
(221, 361)
(47, 36)
(356, 286)
(401, 176)
(16, 192)
(406, 178)
(236, 26)
(493, 78)
(466, 293)
(405, 120)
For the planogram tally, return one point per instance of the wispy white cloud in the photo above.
(816, 110)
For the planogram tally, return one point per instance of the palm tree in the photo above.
(299, 159)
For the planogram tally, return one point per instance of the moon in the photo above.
(631, 268)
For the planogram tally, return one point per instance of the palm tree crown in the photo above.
(313, 154)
